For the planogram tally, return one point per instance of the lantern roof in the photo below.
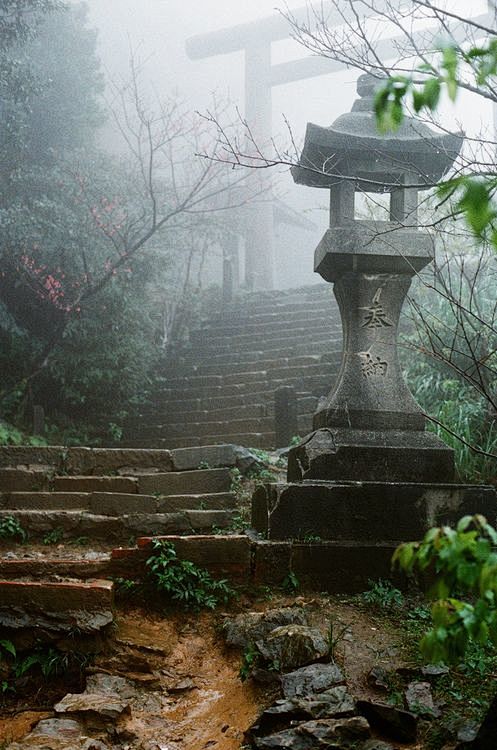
(352, 147)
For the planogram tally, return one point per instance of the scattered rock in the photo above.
(314, 678)
(183, 686)
(375, 745)
(58, 734)
(106, 706)
(434, 670)
(312, 734)
(333, 703)
(291, 646)
(395, 723)
(468, 731)
(420, 700)
(378, 678)
(265, 676)
(109, 684)
(250, 627)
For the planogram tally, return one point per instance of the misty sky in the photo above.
(157, 30)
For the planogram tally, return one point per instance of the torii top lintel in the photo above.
(263, 32)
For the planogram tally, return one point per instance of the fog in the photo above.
(157, 30)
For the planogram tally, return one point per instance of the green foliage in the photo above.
(10, 435)
(291, 583)
(125, 587)
(457, 405)
(463, 565)
(311, 538)
(48, 661)
(334, 636)
(250, 659)
(183, 581)
(474, 197)
(383, 594)
(54, 536)
(452, 375)
(10, 528)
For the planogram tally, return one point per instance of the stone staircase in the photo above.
(106, 497)
(222, 389)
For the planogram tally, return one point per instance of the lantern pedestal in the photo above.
(370, 476)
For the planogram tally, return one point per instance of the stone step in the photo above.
(24, 479)
(76, 523)
(315, 383)
(251, 376)
(251, 440)
(316, 320)
(276, 340)
(95, 484)
(171, 404)
(114, 503)
(325, 307)
(258, 363)
(222, 556)
(52, 569)
(84, 606)
(231, 358)
(77, 460)
(181, 429)
(200, 481)
(194, 414)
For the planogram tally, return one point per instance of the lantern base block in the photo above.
(338, 454)
(364, 512)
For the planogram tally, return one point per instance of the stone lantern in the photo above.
(370, 427)
(369, 475)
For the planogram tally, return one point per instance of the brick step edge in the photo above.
(337, 567)
(85, 606)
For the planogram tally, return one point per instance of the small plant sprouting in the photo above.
(335, 635)
(291, 583)
(383, 594)
(10, 528)
(311, 538)
(204, 465)
(250, 659)
(54, 536)
(184, 581)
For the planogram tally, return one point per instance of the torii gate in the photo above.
(260, 76)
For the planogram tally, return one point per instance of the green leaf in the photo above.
(431, 92)
(9, 647)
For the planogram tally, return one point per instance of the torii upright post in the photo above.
(255, 40)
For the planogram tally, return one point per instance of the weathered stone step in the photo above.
(319, 383)
(198, 378)
(276, 339)
(194, 414)
(24, 479)
(230, 357)
(252, 440)
(78, 460)
(280, 363)
(317, 320)
(114, 503)
(200, 481)
(84, 606)
(228, 556)
(95, 484)
(76, 523)
(52, 569)
(171, 404)
(289, 311)
(181, 429)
